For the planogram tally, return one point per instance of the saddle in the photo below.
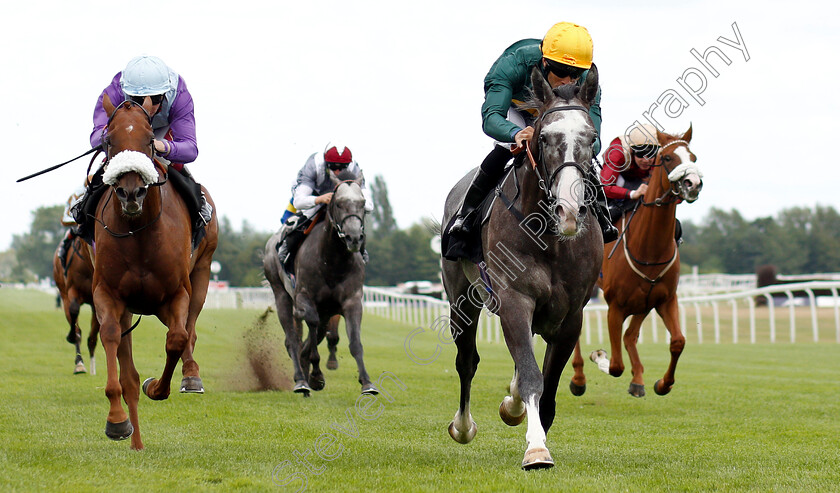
(468, 246)
(294, 238)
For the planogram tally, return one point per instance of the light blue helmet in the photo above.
(145, 76)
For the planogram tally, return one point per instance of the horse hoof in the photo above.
(80, 368)
(302, 387)
(317, 382)
(118, 431)
(332, 364)
(192, 385)
(538, 458)
(506, 416)
(462, 437)
(636, 390)
(577, 390)
(594, 356)
(369, 389)
(146, 383)
(660, 388)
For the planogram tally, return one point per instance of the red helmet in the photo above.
(337, 154)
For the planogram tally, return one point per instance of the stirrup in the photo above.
(206, 212)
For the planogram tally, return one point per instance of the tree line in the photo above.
(797, 240)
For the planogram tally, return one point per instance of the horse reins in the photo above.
(658, 202)
(105, 149)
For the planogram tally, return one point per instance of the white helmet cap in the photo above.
(145, 76)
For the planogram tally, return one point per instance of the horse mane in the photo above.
(346, 175)
(566, 92)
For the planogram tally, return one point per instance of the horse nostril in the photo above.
(121, 193)
(141, 193)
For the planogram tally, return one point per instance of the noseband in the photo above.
(546, 187)
(672, 190)
(339, 226)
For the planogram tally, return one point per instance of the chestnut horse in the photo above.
(144, 264)
(642, 270)
(73, 282)
(543, 252)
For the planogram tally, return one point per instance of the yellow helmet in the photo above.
(568, 44)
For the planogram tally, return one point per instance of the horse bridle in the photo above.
(339, 226)
(106, 151)
(536, 164)
(672, 190)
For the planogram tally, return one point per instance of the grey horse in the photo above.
(543, 249)
(329, 274)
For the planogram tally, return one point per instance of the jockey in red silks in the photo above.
(149, 79)
(564, 56)
(626, 169)
(312, 190)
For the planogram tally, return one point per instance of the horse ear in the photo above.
(687, 135)
(107, 105)
(589, 89)
(542, 90)
(360, 179)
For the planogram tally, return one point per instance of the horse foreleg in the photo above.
(557, 354)
(174, 316)
(130, 382)
(332, 342)
(577, 386)
(512, 409)
(516, 317)
(92, 338)
(615, 323)
(669, 311)
(631, 338)
(110, 312)
(353, 324)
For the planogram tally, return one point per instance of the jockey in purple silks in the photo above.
(149, 79)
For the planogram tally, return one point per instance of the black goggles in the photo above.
(156, 99)
(562, 70)
(337, 166)
(645, 151)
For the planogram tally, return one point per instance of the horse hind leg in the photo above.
(74, 336)
(191, 382)
(463, 325)
(670, 315)
(92, 338)
(577, 385)
(313, 357)
(332, 342)
(631, 338)
(174, 316)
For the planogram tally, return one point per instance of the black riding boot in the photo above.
(288, 247)
(84, 211)
(484, 180)
(601, 211)
(69, 236)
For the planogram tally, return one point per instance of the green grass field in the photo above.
(741, 417)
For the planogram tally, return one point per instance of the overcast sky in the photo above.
(401, 85)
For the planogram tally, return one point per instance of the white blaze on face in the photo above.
(130, 128)
(692, 172)
(569, 185)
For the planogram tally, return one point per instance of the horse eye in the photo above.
(666, 158)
